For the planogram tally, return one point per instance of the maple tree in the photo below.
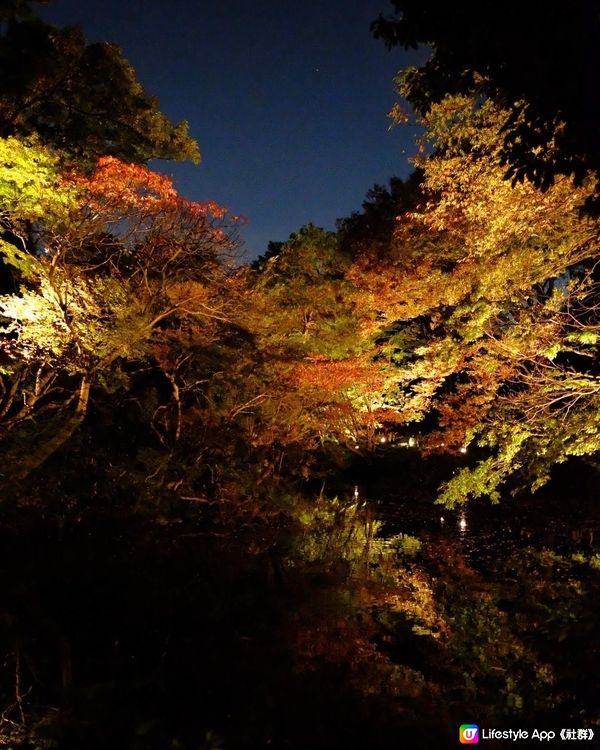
(478, 316)
(307, 322)
(487, 302)
(121, 261)
(455, 303)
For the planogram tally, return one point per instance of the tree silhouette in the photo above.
(82, 98)
(537, 60)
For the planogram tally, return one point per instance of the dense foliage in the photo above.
(166, 406)
(535, 61)
(473, 321)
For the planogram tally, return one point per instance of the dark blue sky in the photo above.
(288, 100)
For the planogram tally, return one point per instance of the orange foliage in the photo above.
(332, 376)
(136, 188)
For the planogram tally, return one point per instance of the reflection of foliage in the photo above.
(432, 627)
(313, 600)
(507, 636)
(354, 573)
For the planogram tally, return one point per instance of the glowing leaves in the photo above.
(30, 184)
(117, 186)
(486, 306)
(129, 185)
(334, 376)
(470, 198)
(484, 479)
(65, 319)
(128, 254)
(159, 228)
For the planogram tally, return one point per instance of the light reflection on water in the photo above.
(483, 532)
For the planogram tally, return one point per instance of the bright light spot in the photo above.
(411, 442)
(356, 491)
(382, 440)
(357, 446)
(463, 449)
(442, 519)
(462, 523)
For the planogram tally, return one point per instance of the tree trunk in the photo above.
(52, 444)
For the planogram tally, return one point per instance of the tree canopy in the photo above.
(173, 421)
(456, 307)
(81, 98)
(537, 61)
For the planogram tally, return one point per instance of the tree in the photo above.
(125, 262)
(537, 62)
(373, 227)
(83, 99)
(273, 249)
(303, 280)
(485, 311)
(311, 333)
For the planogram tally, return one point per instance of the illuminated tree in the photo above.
(513, 54)
(491, 307)
(121, 262)
(307, 322)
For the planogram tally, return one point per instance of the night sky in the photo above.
(288, 101)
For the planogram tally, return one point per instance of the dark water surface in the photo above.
(385, 622)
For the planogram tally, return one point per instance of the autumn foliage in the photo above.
(469, 320)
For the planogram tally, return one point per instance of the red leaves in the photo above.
(130, 187)
(129, 183)
(332, 376)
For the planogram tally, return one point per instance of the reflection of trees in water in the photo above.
(319, 626)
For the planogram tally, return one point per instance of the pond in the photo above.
(334, 623)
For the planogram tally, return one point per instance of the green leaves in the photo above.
(31, 186)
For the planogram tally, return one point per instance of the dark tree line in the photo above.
(537, 60)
